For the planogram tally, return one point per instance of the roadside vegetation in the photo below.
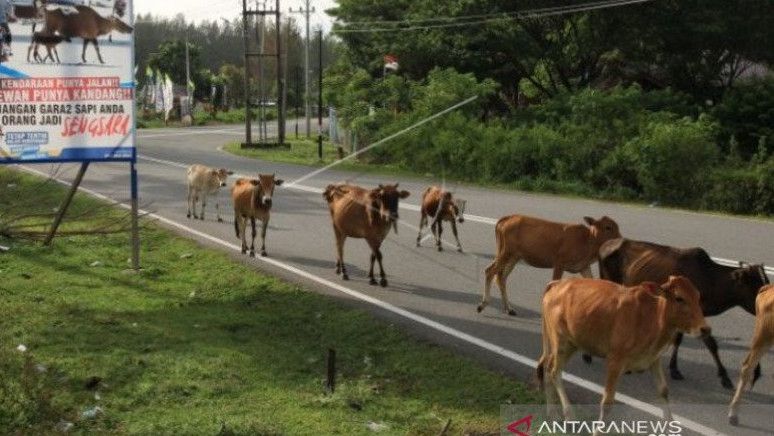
(198, 344)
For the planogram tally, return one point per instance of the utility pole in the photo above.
(248, 114)
(298, 94)
(259, 35)
(280, 80)
(307, 98)
(188, 75)
(319, 97)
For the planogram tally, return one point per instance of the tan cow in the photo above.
(204, 181)
(629, 326)
(545, 244)
(763, 339)
(361, 213)
(441, 206)
(252, 199)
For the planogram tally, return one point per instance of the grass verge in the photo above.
(199, 344)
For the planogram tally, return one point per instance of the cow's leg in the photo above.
(382, 275)
(242, 231)
(371, 279)
(661, 387)
(49, 54)
(83, 53)
(712, 345)
(438, 242)
(494, 269)
(252, 242)
(377, 254)
(204, 204)
(189, 199)
(422, 224)
(456, 237)
(340, 238)
(265, 226)
(96, 47)
(673, 371)
(563, 354)
(29, 51)
(502, 279)
(217, 207)
(758, 348)
(615, 367)
(558, 272)
(56, 53)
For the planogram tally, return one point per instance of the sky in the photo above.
(198, 10)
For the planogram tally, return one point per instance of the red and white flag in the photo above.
(390, 62)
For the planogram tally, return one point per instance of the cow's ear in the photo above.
(254, 182)
(404, 194)
(214, 172)
(278, 182)
(589, 220)
(374, 194)
(229, 172)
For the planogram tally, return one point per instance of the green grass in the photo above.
(152, 120)
(199, 344)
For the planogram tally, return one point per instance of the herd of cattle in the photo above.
(657, 291)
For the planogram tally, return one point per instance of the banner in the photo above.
(57, 105)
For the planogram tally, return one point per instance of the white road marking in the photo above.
(504, 352)
(416, 208)
(191, 133)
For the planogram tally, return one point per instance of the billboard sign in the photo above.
(67, 81)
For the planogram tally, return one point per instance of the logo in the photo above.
(514, 426)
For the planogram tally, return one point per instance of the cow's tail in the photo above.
(236, 224)
(546, 357)
(499, 235)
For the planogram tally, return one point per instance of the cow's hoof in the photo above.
(338, 271)
(383, 282)
(586, 358)
(252, 253)
(344, 276)
(372, 281)
(440, 248)
(196, 217)
(244, 251)
(480, 308)
(676, 374)
(188, 215)
(733, 420)
(201, 217)
(220, 220)
(511, 312)
(726, 382)
(263, 253)
(460, 249)
(418, 244)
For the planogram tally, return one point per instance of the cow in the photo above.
(545, 244)
(629, 262)
(50, 41)
(204, 181)
(629, 326)
(253, 199)
(763, 339)
(367, 214)
(85, 23)
(441, 206)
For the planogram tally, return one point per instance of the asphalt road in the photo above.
(434, 295)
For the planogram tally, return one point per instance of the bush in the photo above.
(671, 160)
(746, 113)
(743, 190)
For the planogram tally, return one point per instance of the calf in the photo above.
(722, 287)
(204, 181)
(252, 199)
(50, 40)
(360, 213)
(763, 339)
(545, 244)
(441, 206)
(629, 326)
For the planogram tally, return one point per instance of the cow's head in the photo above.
(384, 201)
(684, 306)
(118, 25)
(748, 279)
(453, 206)
(264, 189)
(604, 229)
(221, 176)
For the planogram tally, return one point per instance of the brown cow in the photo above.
(360, 213)
(545, 244)
(50, 41)
(722, 287)
(253, 199)
(85, 23)
(763, 339)
(450, 209)
(629, 326)
(204, 181)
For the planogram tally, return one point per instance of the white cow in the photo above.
(204, 181)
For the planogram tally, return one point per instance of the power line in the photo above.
(519, 16)
(503, 14)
